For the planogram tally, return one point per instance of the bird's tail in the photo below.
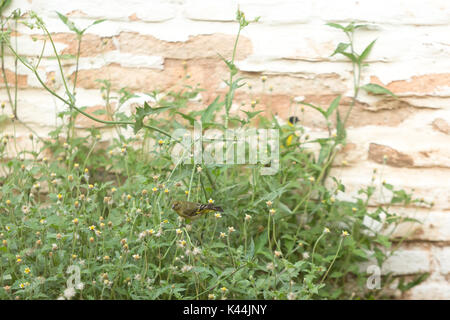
(215, 208)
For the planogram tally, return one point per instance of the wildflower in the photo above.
(305, 255)
(269, 203)
(70, 178)
(354, 209)
(332, 199)
(196, 251)
(247, 217)
(42, 221)
(92, 228)
(59, 196)
(102, 225)
(345, 234)
(270, 266)
(136, 257)
(223, 289)
(76, 165)
(91, 186)
(58, 236)
(75, 221)
(5, 243)
(91, 239)
(22, 285)
(178, 231)
(8, 202)
(272, 211)
(79, 286)
(86, 170)
(54, 246)
(151, 232)
(326, 230)
(278, 253)
(166, 190)
(222, 235)
(110, 224)
(182, 243)
(69, 293)
(263, 78)
(74, 256)
(312, 179)
(27, 270)
(186, 192)
(211, 201)
(199, 169)
(291, 296)
(186, 268)
(160, 142)
(38, 242)
(218, 215)
(8, 228)
(98, 233)
(154, 189)
(231, 229)
(165, 221)
(211, 296)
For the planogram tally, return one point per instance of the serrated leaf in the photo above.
(377, 89)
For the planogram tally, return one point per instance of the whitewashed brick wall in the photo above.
(143, 44)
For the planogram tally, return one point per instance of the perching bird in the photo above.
(291, 122)
(193, 210)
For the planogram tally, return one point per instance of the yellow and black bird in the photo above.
(291, 122)
(193, 210)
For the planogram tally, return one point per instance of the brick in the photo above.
(414, 12)
(441, 125)
(200, 46)
(22, 80)
(423, 84)
(394, 158)
(442, 256)
(432, 225)
(91, 45)
(430, 290)
(407, 261)
(430, 184)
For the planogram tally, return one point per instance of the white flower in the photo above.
(247, 217)
(69, 293)
(291, 296)
(305, 255)
(196, 251)
(186, 268)
(79, 286)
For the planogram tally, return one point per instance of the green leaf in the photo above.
(323, 112)
(366, 51)
(341, 47)
(377, 89)
(68, 23)
(334, 104)
(208, 113)
(99, 112)
(336, 25)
